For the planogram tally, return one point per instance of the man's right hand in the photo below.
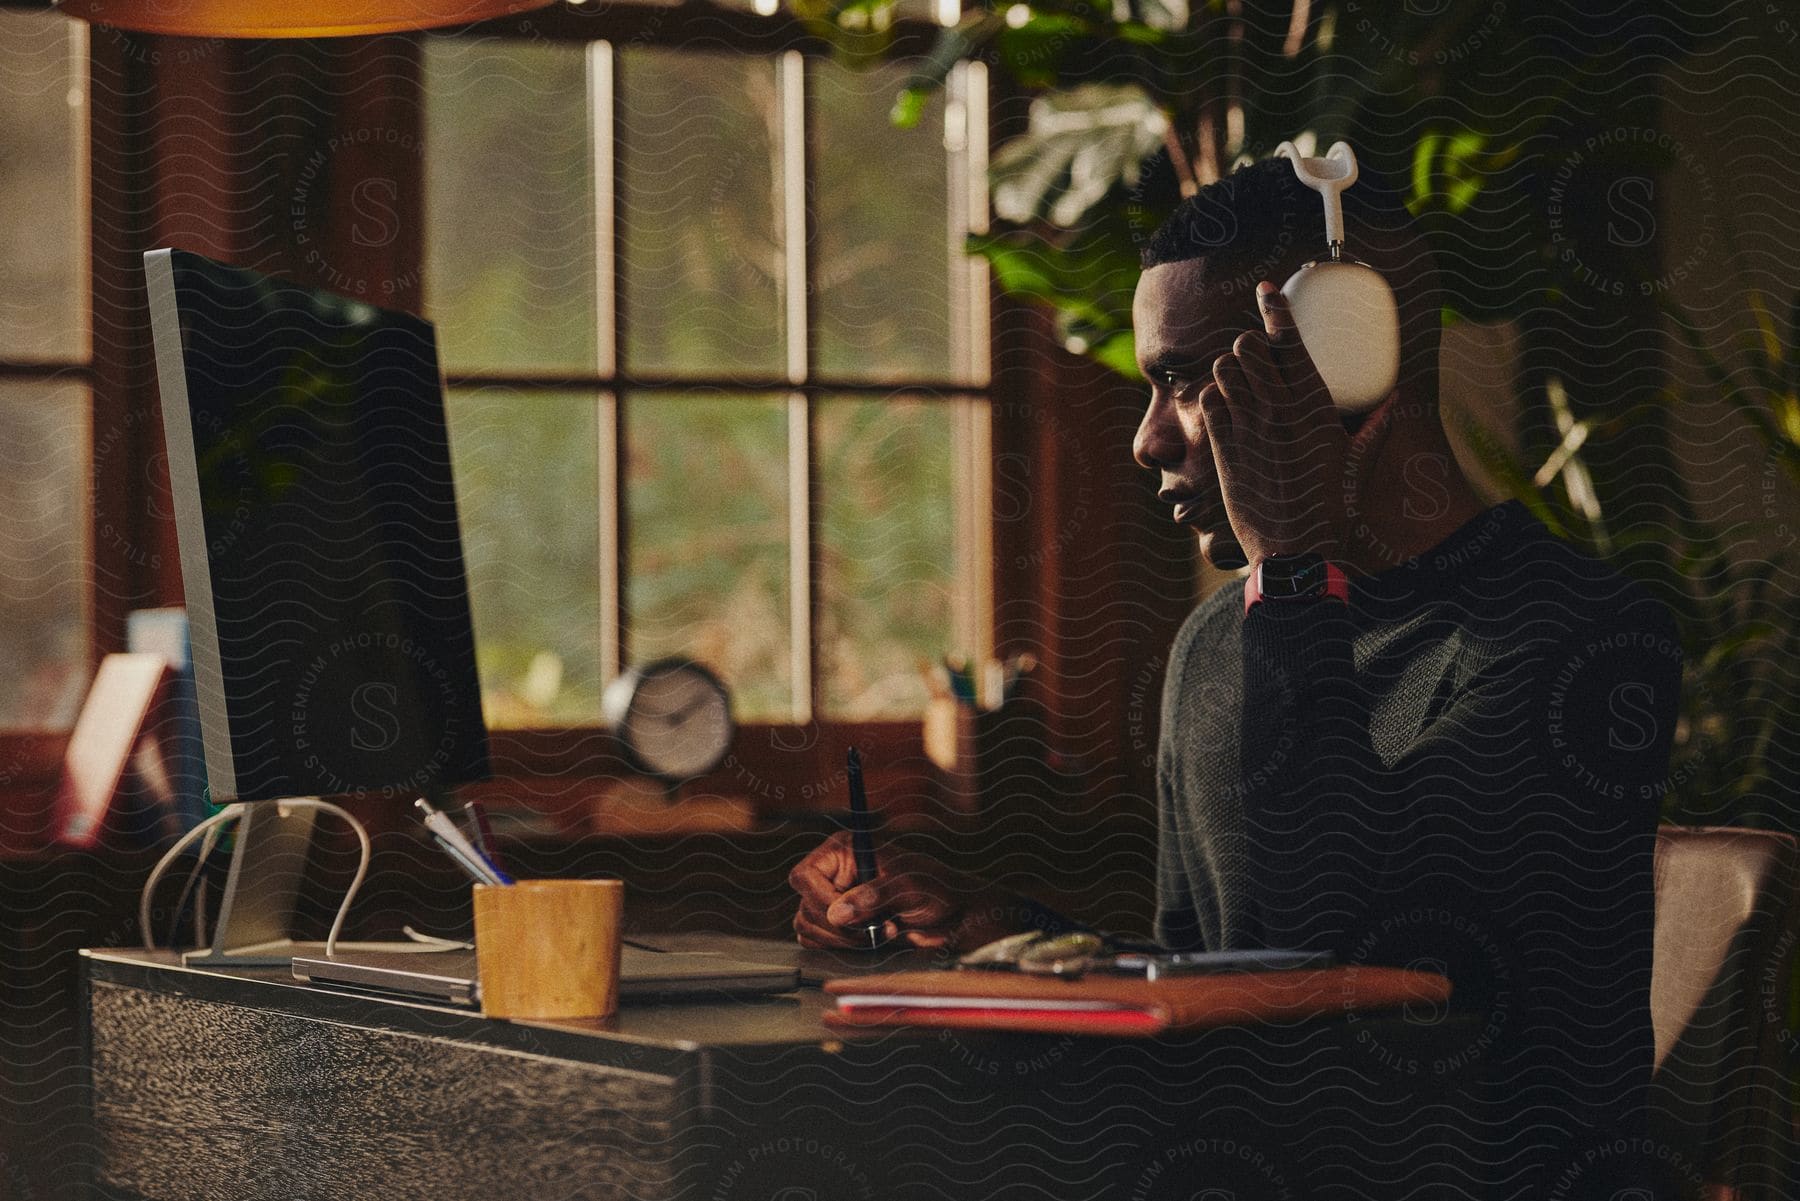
(920, 900)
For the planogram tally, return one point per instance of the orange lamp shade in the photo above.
(288, 18)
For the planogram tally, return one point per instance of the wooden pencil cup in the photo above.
(549, 948)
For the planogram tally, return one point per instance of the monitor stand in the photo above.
(256, 916)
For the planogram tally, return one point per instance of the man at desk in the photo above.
(1426, 732)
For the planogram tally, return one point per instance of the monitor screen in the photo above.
(310, 465)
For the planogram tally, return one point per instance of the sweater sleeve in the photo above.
(1177, 912)
(1187, 911)
(1317, 806)
(1509, 845)
(1569, 732)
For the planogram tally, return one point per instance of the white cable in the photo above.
(201, 937)
(233, 812)
(362, 866)
(433, 942)
(229, 813)
(187, 889)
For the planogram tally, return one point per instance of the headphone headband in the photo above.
(1328, 177)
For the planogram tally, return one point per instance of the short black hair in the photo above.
(1245, 227)
(1261, 210)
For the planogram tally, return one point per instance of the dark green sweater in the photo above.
(1460, 770)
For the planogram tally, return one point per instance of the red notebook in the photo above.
(1122, 1005)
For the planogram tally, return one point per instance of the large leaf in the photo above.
(1079, 145)
(1049, 44)
(964, 40)
(1087, 277)
(1037, 52)
(861, 32)
(1510, 473)
(1117, 350)
(1166, 16)
(1163, 16)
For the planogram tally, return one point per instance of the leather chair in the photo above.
(1727, 928)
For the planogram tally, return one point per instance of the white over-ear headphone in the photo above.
(1344, 310)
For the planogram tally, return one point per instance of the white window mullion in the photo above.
(965, 144)
(792, 66)
(80, 89)
(800, 551)
(971, 202)
(602, 140)
(801, 534)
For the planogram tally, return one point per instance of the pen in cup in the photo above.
(458, 847)
(475, 820)
(476, 871)
(862, 845)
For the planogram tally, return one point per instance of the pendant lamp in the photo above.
(288, 18)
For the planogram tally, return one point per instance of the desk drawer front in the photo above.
(197, 1099)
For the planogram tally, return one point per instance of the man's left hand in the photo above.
(1277, 440)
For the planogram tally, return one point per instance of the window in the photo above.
(44, 369)
(718, 370)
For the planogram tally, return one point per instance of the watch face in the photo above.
(1294, 575)
(678, 723)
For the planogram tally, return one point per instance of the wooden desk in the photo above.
(247, 1084)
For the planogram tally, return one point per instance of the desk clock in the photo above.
(673, 718)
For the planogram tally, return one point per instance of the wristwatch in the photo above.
(1288, 579)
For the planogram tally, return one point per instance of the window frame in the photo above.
(969, 386)
(133, 202)
(31, 754)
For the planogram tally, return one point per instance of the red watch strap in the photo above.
(1337, 585)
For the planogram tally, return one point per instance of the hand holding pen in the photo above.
(917, 900)
(862, 850)
(906, 896)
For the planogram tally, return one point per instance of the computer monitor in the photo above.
(328, 607)
(309, 460)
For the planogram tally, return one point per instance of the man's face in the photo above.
(1180, 331)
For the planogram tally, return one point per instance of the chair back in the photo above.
(1727, 925)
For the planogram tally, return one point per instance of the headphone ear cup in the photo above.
(1350, 326)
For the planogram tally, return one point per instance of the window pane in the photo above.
(43, 552)
(888, 545)
(41, 151)
(509, 252)
(883, 273)
(702, 257)
(527, 493)
(707, 510)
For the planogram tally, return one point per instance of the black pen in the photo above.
(862, 844)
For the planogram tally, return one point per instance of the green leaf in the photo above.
(1765, 327)
(1087, 277)
(962, 40)
(1119, 352)
(860, 32)
(1164, 16)
(1510, 473)
(1451, 168)
(1034, 53)
(1731, 645)
(1078, 146)
(909, 106)
(1091, 278)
